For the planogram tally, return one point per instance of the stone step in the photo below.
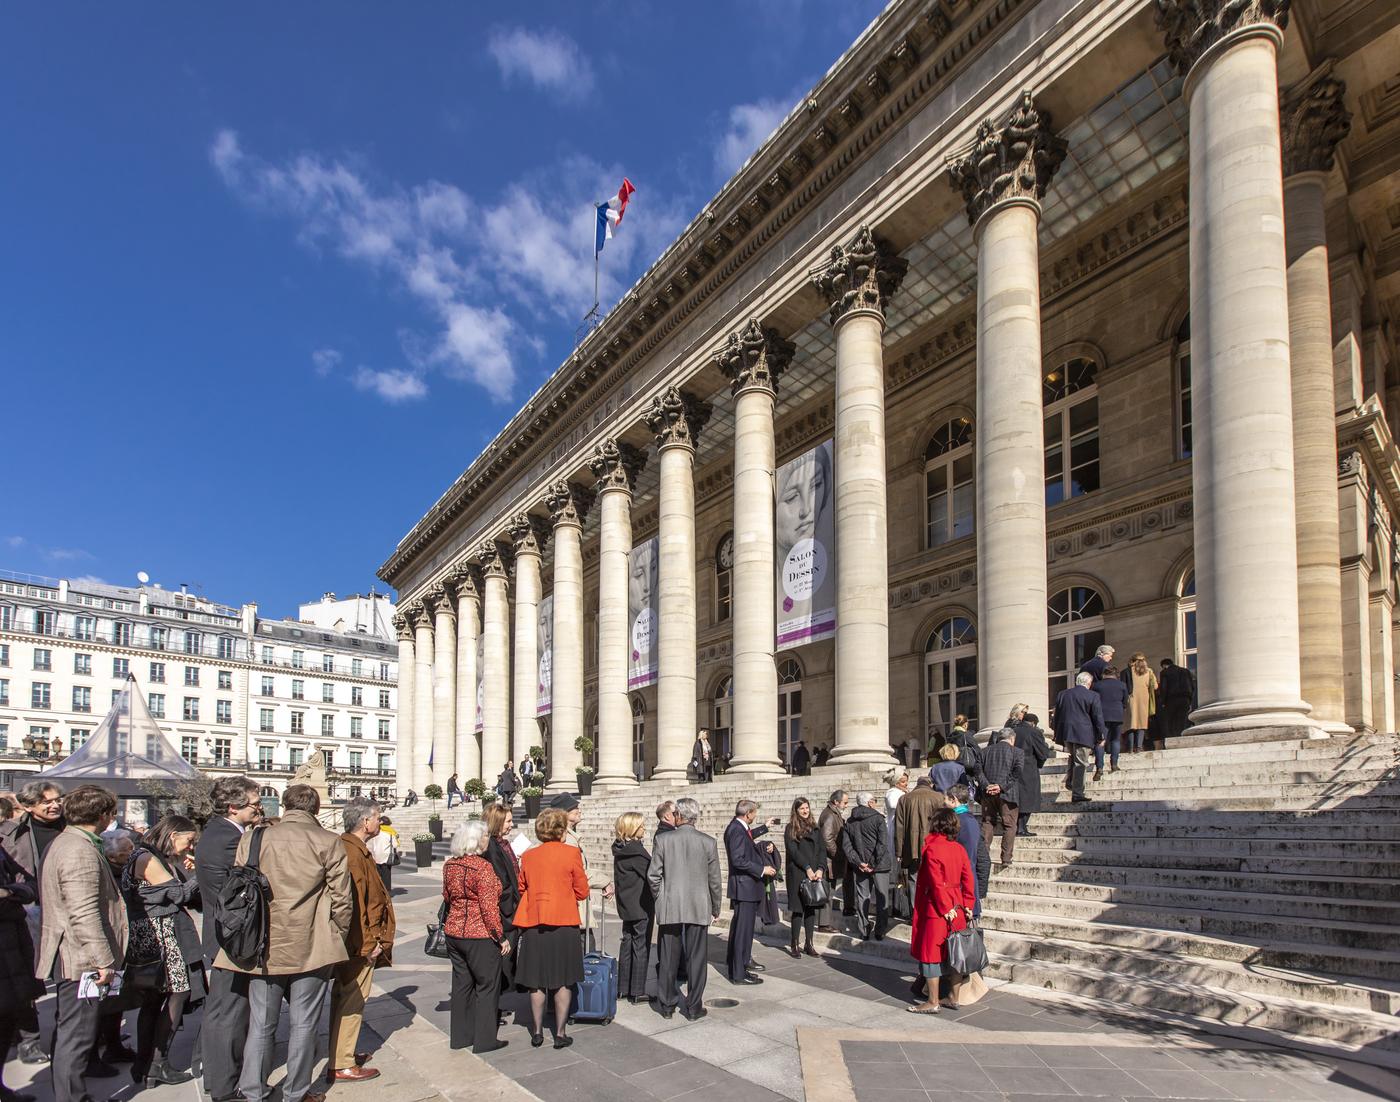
(1346, 823)
(1308, 957)
(1147, 875)
(1198, 897)
(1313, 755)
(1282, 773)
(1260, 925)
(1188, 853)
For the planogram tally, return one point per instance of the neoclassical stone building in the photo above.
(1094, 302)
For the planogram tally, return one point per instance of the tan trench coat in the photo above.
(1142, 699)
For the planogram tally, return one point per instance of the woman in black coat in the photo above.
(18, 988)
(635, 905)
(806, 860)
(502, 859)
(1035, 752)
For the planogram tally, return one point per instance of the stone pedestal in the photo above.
(468, 746)
(527, 534)
(444, 684)
(676, 419)
(568, 506)
(495, 659)
(403, 719)
(423, 724)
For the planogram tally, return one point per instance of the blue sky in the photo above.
(273, 274)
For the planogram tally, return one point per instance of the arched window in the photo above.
(722, 718)
(950, 675)
(1186, 622)
(724, 578)
(1071, 399)
(948, 489)
(1183, 388)
(1075, 617)
(789, 708)
(639, 737)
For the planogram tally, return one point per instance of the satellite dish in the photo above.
(142, 577)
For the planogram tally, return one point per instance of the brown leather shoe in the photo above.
(310, 1097)
(355, 1075)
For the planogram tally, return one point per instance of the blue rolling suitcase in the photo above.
(595, 999)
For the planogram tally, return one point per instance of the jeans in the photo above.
(449, 799)
(1114, 742)
(305, 992)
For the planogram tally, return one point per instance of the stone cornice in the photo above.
(676, 418)
(1013, 161)
(1313, 120)
(1366, 434)
(755, 358)
(860, 277)
(908, 53)
(1191, 27)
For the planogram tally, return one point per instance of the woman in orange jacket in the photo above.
(552, 883)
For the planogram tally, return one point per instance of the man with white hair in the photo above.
(1078, 726)
(684, 879)
(1095, 666)
(866, 848)
(746, 872)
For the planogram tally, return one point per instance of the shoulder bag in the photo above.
(965, 951)
(436, 945)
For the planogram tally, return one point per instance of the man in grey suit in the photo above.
(684, 878)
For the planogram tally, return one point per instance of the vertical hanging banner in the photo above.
(805, 534)
(643, 565)
(544, 700)
(480, 678)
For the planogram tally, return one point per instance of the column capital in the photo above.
(1191, 27)
(494, 560)
(568, 504)
(464, 580)
(1011, 162)
(861, 277)
(677, 418)
(416, 615)
(528, 534)
(616, 465)
(439, 600)
(403, 626)
(1313, 120)
(755, 358)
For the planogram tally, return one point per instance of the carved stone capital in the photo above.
(1191, 27)
(616, 465)
(1313, 119)
(568, 504)
(755, 357)
(403, 626)
(528, 534)
(495, 561)
(863, 276)
(417, 615)
(464, 582)
(1016, 160)
(677, 418)
(439, 600)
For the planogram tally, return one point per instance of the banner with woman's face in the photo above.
(480, 678)
(805, 533)
(642, 613)
(544, 700)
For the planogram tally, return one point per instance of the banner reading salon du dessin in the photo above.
(544, 701)
(805, 533)
(642, 613)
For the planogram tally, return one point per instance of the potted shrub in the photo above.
(474, 789)
(435, 826)
(432, 793)
(532, 800)
(423, 850)
(584, 745)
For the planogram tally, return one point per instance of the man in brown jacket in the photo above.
(913, 819)
(309, 913)
(369, 943)
(830, 822)
(83, 934)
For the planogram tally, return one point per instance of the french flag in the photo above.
(610, 214)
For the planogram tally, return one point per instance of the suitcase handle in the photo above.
(602, 925)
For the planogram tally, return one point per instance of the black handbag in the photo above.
(436, 945)
(966, 952)
(813, 893)
(901, 905)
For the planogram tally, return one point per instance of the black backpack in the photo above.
(241, 925)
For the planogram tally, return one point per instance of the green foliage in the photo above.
(424, 838)
(434, 815)
(432, 792)
(533, 790)
(537, 752)
(584, 745)
(584, 771)
(475, 788)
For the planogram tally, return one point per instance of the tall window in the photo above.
(384, 698)
(357, 696)
(948, 489)
(82, 698)
(950, 675)
(40, 694)
(191, 709)
(384, 728)
(1071, 399)
(121, 668)
(789, 708)
(43, 658)
(724, 579)
(298, 723)
(223, 751)
(84, 628)
(189, 747)
(227, 647)
(298, 689)
(327, 693)
(77, 738)
(265, 716)
(295, 756)
(156, 703)
(194, 642)
(266, 687)
(266, 656)
(357, 667)
(226, 679)
(191, 675)
(223, 711)
(357, 727)
(639, 737)
(5, 692)
(298, 660)
(82, 663)
(265, 757)
(158, 673)
(1183, 388)
(327, 663)
(328, 726)
(7, 617)
(1186, 622)
(1075, 618)
(722, 719)
(158, 637)
(45, 621)
(357, 761)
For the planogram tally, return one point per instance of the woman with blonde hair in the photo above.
(896, 780)
(552, 884)
(476, 940)
(1142, 701)
(635, 905)
(503, 861)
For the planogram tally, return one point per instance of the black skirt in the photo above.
(550, 957)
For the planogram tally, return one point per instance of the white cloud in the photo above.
(393, 386)
(749, 125)
(68, 554)
(15, 541)
(547, 59)
(325, 361)
(88, 579)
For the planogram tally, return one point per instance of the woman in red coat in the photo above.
(943, 903)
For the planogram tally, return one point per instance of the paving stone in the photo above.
(679, 1077)
(780, 1070)
(1023, 1080)
(583, 1081)
(951, 1076)
(1071, 1056)
(1262, 1085)
(1100, 1081)
(1002, 1056)
(1131, 1058)
(1166, 1083)
(877, 1051)
(885, 1094)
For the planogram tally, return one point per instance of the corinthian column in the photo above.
(1314, 120)
(444, 681)
(754, 359)
(616, 466)
(419, 770)
(1002, 180)
(403, 723)
(676, 418)
(1241, 381)
(468, 746)
(568, 506)
(857, 284)
(495, 658)
(528, 536)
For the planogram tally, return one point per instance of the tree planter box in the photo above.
(532, 807)
(423, 854)
(585, 783)
(435, 827)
